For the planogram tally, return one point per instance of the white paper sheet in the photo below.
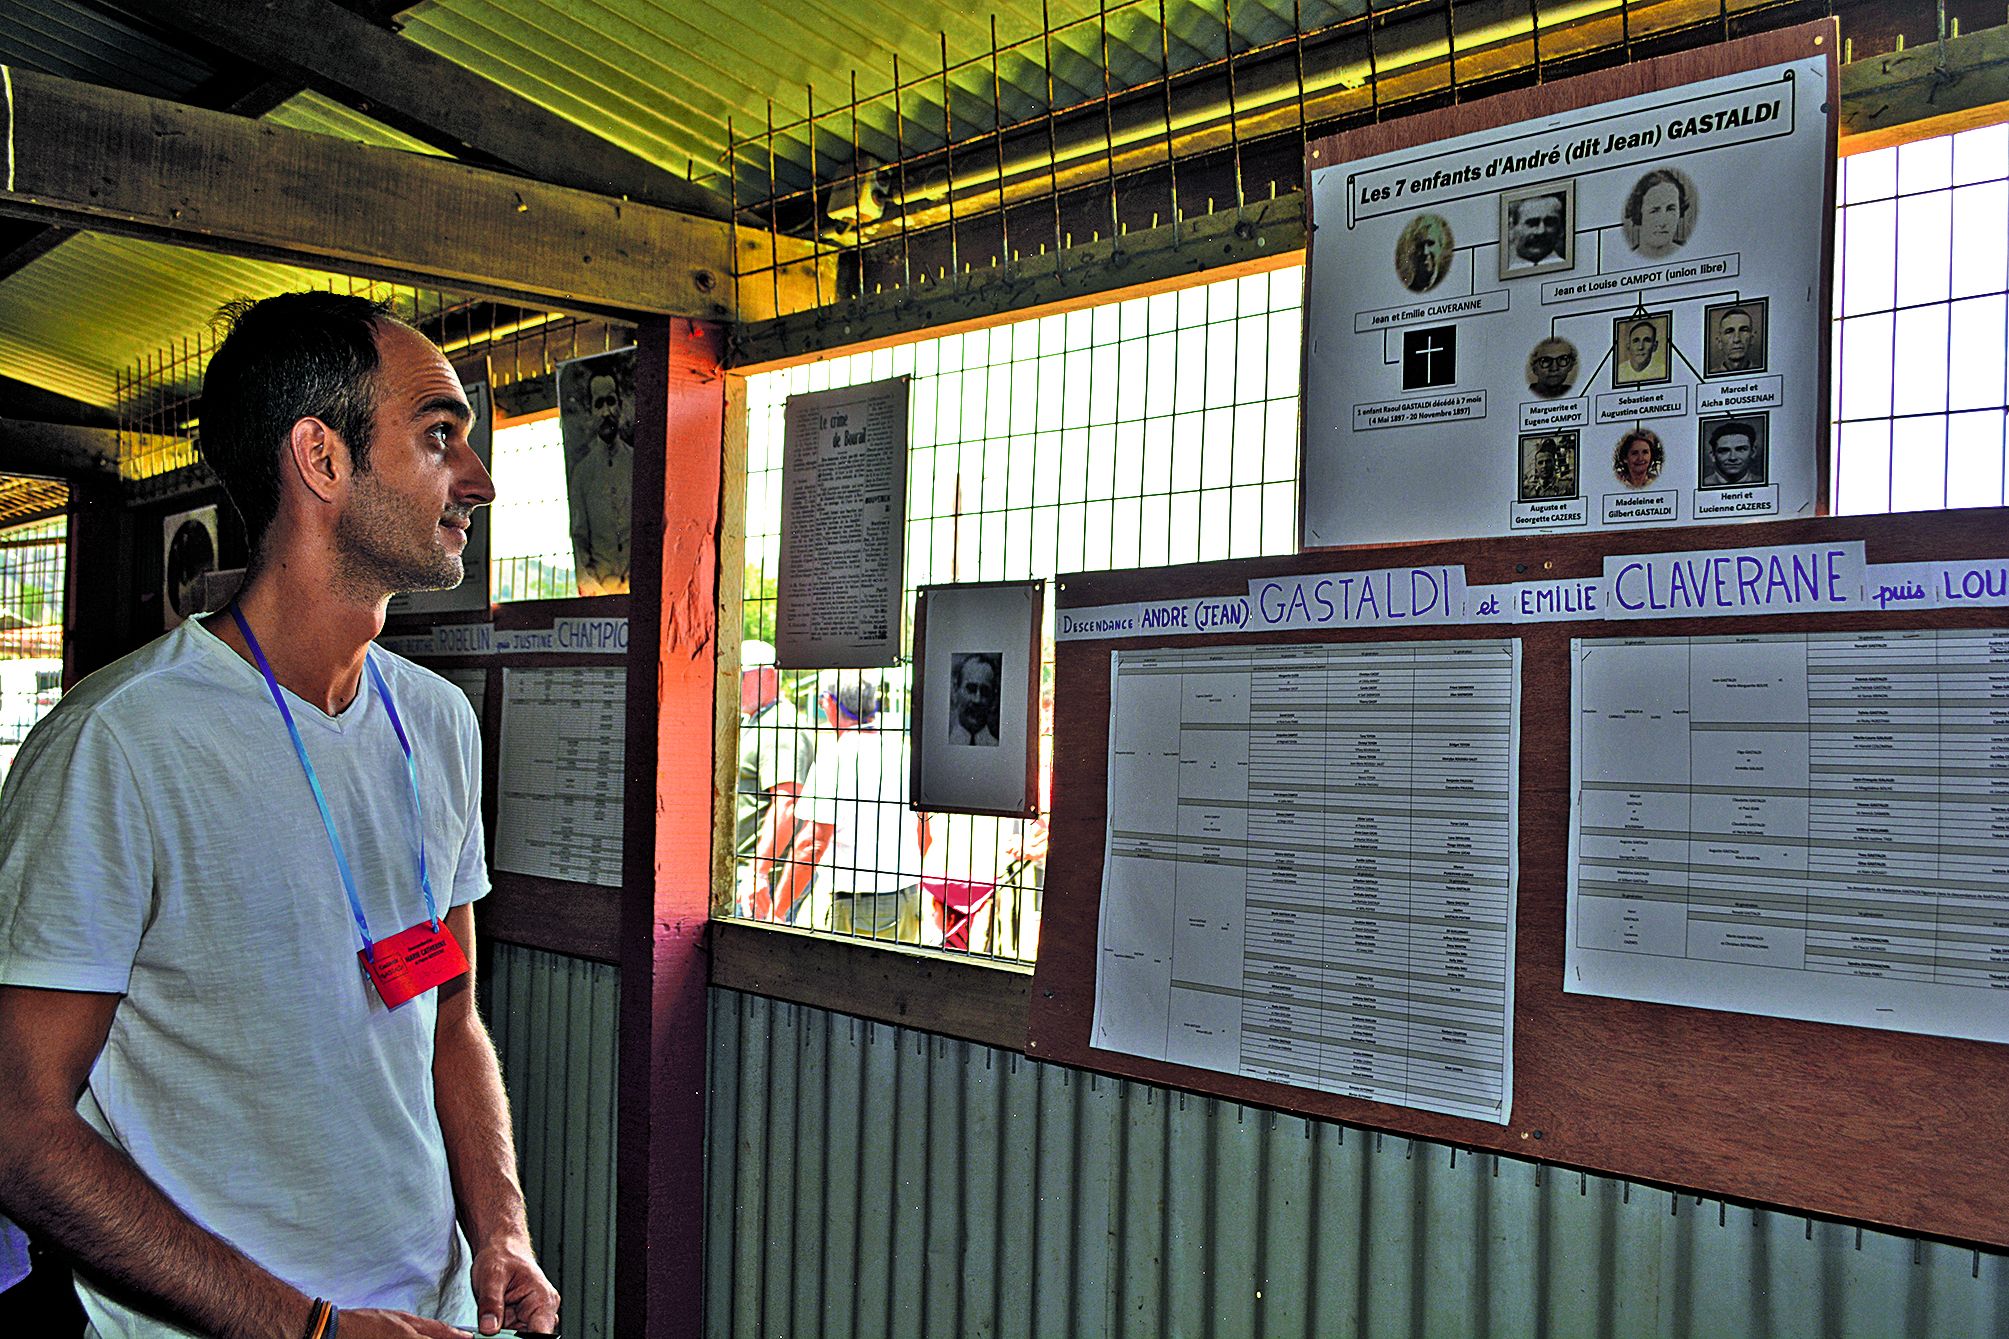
(843, 528)
(1311, 867)
(564, 735)
(1807, 826)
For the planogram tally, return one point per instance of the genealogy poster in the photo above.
(1604, 317)
(843, 528)
(1311, 867)
(564, 743)
(1802, 825)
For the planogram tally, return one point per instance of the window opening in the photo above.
(34, 566)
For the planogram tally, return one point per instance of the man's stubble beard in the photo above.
(369, 559)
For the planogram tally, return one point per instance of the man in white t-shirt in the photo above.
(242, 1078)
(853, 832)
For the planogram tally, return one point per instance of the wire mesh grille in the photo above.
(26, 497)
(999, 162)
(1157, 430)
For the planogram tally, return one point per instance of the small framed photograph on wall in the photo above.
(976, 698)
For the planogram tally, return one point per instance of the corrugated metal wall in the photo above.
(869, 1180)
(556, 1022)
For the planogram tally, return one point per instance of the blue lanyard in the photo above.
(321, 800)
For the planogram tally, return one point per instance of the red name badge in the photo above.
(413, 961)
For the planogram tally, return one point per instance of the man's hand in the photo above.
(374, 1324)
(511, 1290)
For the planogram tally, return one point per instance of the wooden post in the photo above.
(672, 662)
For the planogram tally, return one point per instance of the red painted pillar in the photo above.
(666, 885)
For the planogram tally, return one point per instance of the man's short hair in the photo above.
(857, 697)
(1733, 428)
(294, 356)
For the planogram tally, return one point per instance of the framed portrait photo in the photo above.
(1641, 347)
(1734, 337)
(1538, 229)
(596, 423)
(1732, 450)
(188, 558)
(975, 704)
(1550, 466)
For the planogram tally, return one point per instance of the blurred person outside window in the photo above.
(853, 861)
(774, 755)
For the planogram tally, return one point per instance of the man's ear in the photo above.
(319, 457)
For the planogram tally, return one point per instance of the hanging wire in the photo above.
(900, 140)
(949, 161)
(1052, 141)
(1234, 108)
(1005, 253)
(1171, 156)
(1108, 129)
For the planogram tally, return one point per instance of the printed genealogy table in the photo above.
(1311, 867)
(1808, 826)
(564, 736)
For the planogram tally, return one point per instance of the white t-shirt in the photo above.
(858, 786)
(158, 840)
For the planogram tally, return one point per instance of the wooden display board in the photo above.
(1880, 1127)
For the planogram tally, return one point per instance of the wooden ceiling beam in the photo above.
(24, 400)
(343, 54)
(83, 156)
(57, 450)
(241, 92)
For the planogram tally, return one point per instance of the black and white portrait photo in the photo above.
(1549, 462)
(1538, 229)
(1423, 253)
(973, 697)
(596, 419)
(1733, 450)
(1640, 349)
(1734, 334)
(1660, 212)
(975, 710)
(1552, 367)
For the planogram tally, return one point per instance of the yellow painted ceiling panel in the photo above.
(324, 116)
(96, 307)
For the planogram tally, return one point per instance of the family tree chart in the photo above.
(1310, 869)
(1811, 826)
(1585, 319)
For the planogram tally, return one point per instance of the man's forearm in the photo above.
(63, 1182)
(473, 1109)
(474, 1120)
